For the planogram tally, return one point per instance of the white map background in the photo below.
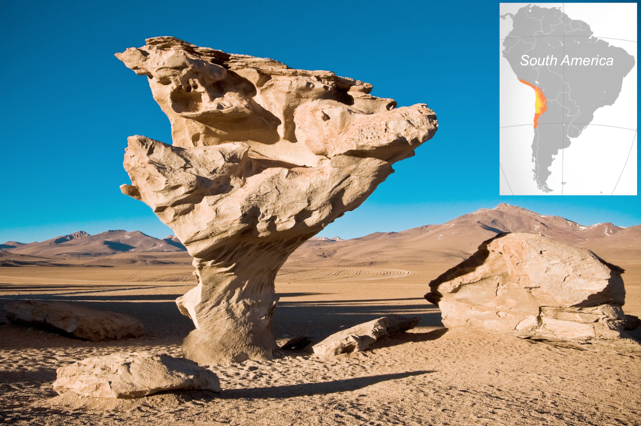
(603, 159)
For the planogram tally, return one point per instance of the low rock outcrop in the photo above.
(363, 336)
(79, 321)
(263, 158)
(533, 286)
(133, 376)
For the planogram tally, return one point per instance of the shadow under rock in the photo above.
(296, 295)
(401, 338)
(310, 389)
(383, 342)
(40, 375)
(90, 295)
(311, 318)
(634, 334)
(160, 316)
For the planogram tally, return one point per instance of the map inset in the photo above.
(568, 99)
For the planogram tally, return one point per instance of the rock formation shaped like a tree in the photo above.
(263, 158)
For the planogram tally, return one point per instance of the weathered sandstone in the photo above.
(401, 323)
(354, 339)
(133, 376)
(80, 321)
(263, 157)
(363, 336)
(533, 286)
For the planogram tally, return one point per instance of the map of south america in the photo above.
(571, 72)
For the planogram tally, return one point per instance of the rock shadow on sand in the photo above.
(403, 338)
(323, 318)
(311, 389)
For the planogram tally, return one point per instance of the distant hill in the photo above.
(80, 244)
(448, 243)
(11, 259)
(173, 240)
(332, 239)
(459, 238)
(10, 245)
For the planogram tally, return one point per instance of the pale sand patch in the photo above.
(428, 376)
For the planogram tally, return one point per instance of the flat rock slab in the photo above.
(80, 321)
(363, 336)
(133, 375)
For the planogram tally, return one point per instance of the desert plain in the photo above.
(429, 375)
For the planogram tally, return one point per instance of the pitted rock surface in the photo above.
(263, 158)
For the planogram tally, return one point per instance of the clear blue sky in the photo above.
(68, 104)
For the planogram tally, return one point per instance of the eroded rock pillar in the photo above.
(233, 304)
(263, 158)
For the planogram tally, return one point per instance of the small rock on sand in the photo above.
(133, 375)
(363, 336)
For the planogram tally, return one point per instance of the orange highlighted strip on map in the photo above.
(540, 104)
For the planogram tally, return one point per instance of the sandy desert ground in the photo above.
(428, 376)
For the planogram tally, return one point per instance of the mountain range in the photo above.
(82, 245)
(457, 239)
(452, 241)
